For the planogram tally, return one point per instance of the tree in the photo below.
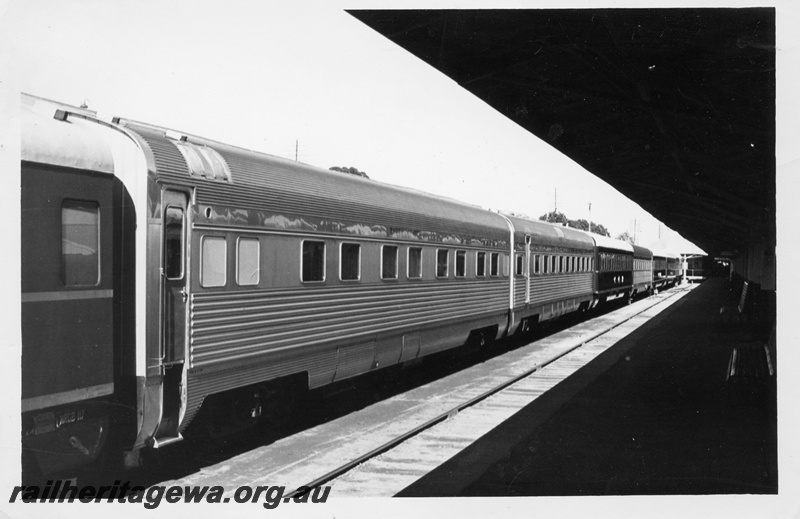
(351, 170)
(626, 237)
(600, 229)
(560, 218)
(555, 217)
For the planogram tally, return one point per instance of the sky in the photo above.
(306, 80)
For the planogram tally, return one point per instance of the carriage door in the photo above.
(174, 309)
(527, 268)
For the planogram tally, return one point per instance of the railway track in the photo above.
(383, 448)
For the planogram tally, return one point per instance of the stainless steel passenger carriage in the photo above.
(289, 269)
(553, 271)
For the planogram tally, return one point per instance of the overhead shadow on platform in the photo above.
(656, 414)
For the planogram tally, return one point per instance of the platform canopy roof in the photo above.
(675, 108)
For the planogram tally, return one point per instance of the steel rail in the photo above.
(343, 469)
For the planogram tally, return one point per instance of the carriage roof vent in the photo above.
(203, 161)
(175, 136)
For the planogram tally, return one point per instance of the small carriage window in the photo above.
(213, 261)
(461, 263)
(247, 262)
(389, 262)
(350, 262)
(480, 264)
(535, 263)
(80, 243)
(442, 260)
(518, 270)
(313, 261)
(414, 262)
(494, 264)
(173, 242)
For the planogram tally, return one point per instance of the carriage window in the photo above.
(480, 264)
(535, 263)
(494, 264)
(313, 261)
(461, 263)
(389, 262)
(442, 260)
(213, 261)
(414, 262)
(247, 262)
(350, 262)
(518, 270)
(506, 264)
(173, 242)
(80, 243)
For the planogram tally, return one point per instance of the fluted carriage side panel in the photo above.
(230, 327)
(331, 333)
(546, 289)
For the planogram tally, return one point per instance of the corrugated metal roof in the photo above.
(265, 182)
(550, 234)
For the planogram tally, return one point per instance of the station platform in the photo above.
(663, 412)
